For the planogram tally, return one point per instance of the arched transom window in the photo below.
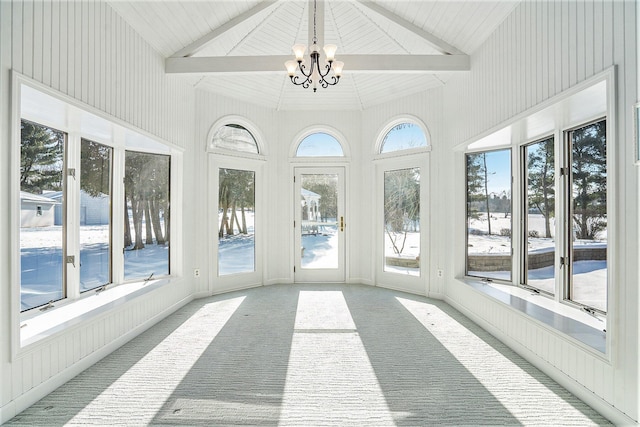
(319, 144)
(234, 137)
(403, 136)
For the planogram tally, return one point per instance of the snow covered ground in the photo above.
(589, 277)
(41, 258)
(41, 262)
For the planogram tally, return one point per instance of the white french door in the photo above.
(319, 224)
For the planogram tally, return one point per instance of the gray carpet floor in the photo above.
(313, 355)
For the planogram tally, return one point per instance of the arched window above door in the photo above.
(401, 136)
(234, 137)
(319, 144)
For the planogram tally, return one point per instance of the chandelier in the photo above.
(314, 74)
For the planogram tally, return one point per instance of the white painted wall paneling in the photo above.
(541, 50)
(83, 49)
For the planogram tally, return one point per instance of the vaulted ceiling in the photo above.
(390, 48)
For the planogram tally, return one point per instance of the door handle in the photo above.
(341, 223)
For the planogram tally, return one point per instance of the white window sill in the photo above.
(48, 323)
(581, 326)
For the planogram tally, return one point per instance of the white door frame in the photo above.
(231, 282)
(404, 282)
(309, 275)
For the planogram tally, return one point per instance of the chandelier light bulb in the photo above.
(337, 68)
(330, 51)
(291, 67)
(298, 50)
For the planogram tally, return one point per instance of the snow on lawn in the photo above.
(589, 276)
(41, 260)
(320, 250)
(236, 254)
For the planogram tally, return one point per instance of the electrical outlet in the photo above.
(196, 272)
(440, 273)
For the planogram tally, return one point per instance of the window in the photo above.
(236, 221)
(586, 206)
(42, 239)
(539, 216)
(403, 136)
(319, 144)
(235, 137)
(489, 214)
(402, 221)
(95, 214)
(146, 213)
(582, 259)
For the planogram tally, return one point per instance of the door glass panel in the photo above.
(489, 214)
(236, 226)
(589, 216)
(146, 213)
(95, 215)
(41, 215)
(402, 221)
(540, 215)
(319, 228)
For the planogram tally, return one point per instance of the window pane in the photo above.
(95, 215)
(236, 214)
(319, 145)
(319, 217)
(236, 138)
(403, 137)
(589, 216)
(540, 216)
(41, 215)
(489, 214)
(146, 214)
(402, 221)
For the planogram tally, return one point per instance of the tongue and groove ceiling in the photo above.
(390, 48)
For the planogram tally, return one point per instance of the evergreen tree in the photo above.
(41, 158)
(541, 180)
(589, 179)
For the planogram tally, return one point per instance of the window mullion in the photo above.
(72, 216)
(117, 200)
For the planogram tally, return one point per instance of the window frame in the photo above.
(293, 149)
(566, 285)
(80, 121)
(384, 130)
(586, 102)
(513, 271)
(523, 211)
(228, 282)
(249, 126)
(409, 283)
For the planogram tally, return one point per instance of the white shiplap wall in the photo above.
(83, 49)
(541, 50)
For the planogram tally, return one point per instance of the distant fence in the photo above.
(502, 262)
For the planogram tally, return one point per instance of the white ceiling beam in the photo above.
(436, 42)
(353, 63)
(203, 41)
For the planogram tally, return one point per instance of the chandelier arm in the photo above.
(327, 68)
(296, 80)
(333, 82)
(301, 67)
